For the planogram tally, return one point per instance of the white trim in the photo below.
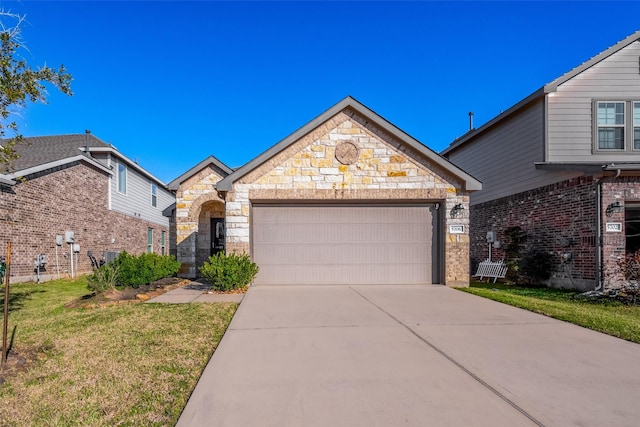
(45, 166)
(126, 178)
(109, 190)
(6, 181)
(128, 161)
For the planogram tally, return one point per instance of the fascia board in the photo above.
(6, 181)
(471, 183)
(129, 162)
(175, 183)
(552, 86)
(497, 119)
(61, 162)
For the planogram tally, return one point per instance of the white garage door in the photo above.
(345, 244)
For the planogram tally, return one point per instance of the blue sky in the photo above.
(172, 82)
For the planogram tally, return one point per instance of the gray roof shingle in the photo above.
(38, 150)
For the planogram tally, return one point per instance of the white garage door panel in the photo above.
(343, 244)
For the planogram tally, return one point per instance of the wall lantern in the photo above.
(456, 210)
(615, 207)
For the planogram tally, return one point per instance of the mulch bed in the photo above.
(128, 295)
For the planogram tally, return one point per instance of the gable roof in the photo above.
(44, 152)
(543, 91)
(470, 182)
(175, 184)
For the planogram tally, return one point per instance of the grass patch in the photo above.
(129, 365)
(619, 320)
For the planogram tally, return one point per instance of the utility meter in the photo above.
(491, 236)
(69, 236)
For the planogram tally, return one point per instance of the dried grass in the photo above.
(133, 364)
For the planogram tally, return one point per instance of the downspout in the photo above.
(599, 235)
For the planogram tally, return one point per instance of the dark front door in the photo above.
(217, 235)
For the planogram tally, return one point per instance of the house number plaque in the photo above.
(613, 227)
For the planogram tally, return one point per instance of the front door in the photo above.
(217, 235)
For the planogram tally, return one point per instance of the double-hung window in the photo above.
(122, 178)
(636, 125)
(149, 240)
(617, 125)
(154, 195)
(611, 125)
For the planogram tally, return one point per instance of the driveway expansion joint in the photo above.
(453, 361)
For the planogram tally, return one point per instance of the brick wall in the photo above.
(624, 189)
(71, 197)
(559, 219)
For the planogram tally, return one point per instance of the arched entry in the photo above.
(210, 235)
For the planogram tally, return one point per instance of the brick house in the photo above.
(348, 198)
(81, 184)
(564, 165)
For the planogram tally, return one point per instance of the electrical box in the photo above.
(69, 236)
(59, 240)
(41, 260)
(76, 248)
(491, 236)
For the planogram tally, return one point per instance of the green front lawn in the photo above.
(130, 364)
(612, 318)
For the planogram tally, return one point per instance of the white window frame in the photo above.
(149, 240)
(120, 174)
(635, 124)
(611, 125)
(163, 240)
(154, 195)
(629, 126)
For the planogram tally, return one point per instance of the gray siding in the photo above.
(570, 124)
(504, 157)
(137, 201)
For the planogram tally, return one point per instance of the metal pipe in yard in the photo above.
(5, 328)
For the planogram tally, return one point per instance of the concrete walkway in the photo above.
(194, 292)
(411, 356)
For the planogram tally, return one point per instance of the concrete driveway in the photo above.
(410, 356)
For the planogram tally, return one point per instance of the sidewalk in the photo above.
(194, 292)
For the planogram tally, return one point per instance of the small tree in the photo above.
(19, 84)
(515, 238)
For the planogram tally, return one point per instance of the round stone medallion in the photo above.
(346, 153)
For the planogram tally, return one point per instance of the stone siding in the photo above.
(196, 202)
(385, 169)
(71, 197)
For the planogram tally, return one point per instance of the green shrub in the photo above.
(139, 270)
(103, 279)
(535, 267)
(227, 272)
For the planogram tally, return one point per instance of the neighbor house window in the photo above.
(149, 240)
(122, 178)
(154, 195)
(611, 125)
(636, 125)
(163, 237)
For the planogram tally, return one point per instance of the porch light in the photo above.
(615, 207)
(456, 210)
